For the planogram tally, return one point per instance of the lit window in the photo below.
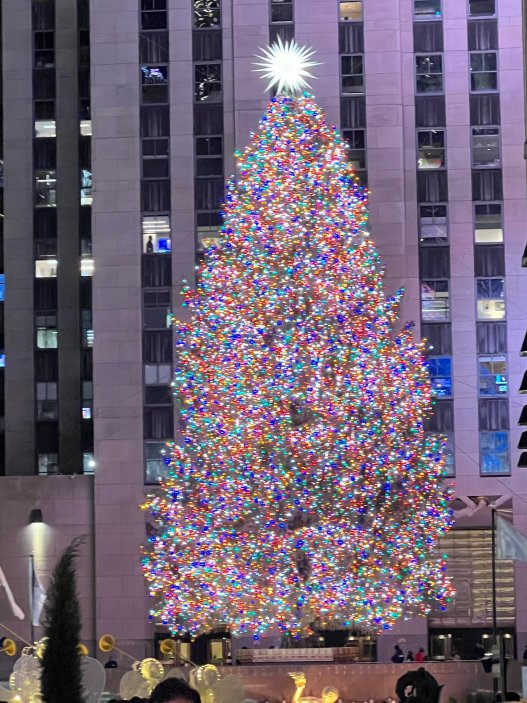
(47, 401)
(206, 14)
(427, 8)
(435, 301)
(492, 375)
(480, 8)
(87, 400)
(494, 452)
(157, 457)
(156, 234)
(47, 464)
(47, 338)
(281, 11)
(208, 237)
(429, 74)
(85, 127)
(87, 329)
(490, 293)
(488, 224)
(350, 11)
(2, 286)
(88, 463)
(158, 374)
(207, 82)
(433, 225)
(86, 184)
(87, 267)
(440, 368)
(45, 188)
(486, 147)
(448, 450)
(356, 139)
(45, 128)
(431, 146)
(46, 268)
(2, 360)
(483, 71)
(352, 74)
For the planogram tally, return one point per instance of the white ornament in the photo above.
(286, 64)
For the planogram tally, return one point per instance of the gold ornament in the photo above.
(330, 694)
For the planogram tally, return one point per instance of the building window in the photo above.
(281, 10)
(350, 11)
(45, 128)
(429, 73)
(156, 234)
(158, 374)
(88, 463)
(435, 301)
(431, 149)
(427, 8)
(483, 71)
(209, 156)
(440, 368)
(207, 237)
(47, 401)
(206, 14)
(153, 14)
(352, 74)
(492, 375)
(157, 460)
(45, 188)
(47, 464)
(86, 184)
(87, 267)
(155, 158)
(207, 82)
(433, 224)
(154, 82)
(2, 286)
(481, 8)
(47, 338)
(46, 268)
(446, 440)
(488, 223)
(356, 139)
(44, 49)
(490, 294)
(88, 335)
(494, 453)
(486, 151)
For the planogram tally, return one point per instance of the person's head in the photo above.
(174, 691)
(421, 649)
(396, 647)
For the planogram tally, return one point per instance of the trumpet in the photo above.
(168, 647)
(8, 647)
(107, 644)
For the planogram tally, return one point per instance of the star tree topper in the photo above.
(286, 64)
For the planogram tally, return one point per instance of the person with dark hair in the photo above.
(398, 656)
(174, 691)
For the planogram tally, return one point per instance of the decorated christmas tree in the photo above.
(305, 492)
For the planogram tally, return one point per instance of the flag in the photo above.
(37, 594)
(510, 542)
(17, 611)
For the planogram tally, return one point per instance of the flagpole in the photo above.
(31, 594)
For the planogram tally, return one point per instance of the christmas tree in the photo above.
(306, 492)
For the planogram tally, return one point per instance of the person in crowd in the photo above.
(174, 691)
(398, 656)
(420, 656)
(409, 656)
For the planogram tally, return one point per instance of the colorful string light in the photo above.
(305, 492)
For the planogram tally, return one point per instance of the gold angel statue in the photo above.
(330, 694)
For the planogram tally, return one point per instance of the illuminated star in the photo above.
(286, 65)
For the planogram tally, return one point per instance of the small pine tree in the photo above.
(61, 678)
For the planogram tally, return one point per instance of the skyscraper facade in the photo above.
(152, 97)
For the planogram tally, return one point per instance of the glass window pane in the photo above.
(433, 225)
(486, 147)
(427, 8)
(488, 226)
(492, 376)
(429, 70)
(494, 452)
(206, 14)
(435, 302)
(350, 11)
(441, 376)
(482, 8)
